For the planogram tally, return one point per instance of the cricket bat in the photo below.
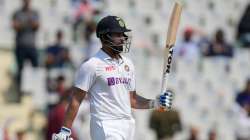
(171, 38)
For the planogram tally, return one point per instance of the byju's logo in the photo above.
(111, 81)
(118, 80)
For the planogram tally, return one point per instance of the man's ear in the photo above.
(103, 37)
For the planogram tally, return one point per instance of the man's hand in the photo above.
(64, 134)
(163, 102)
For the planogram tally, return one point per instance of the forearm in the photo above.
(17, 25)
(163, 101)
(34, 25)
(142, 103)
(65, 131)
(71, 113)
(73, 107)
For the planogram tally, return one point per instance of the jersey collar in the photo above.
(103, 55)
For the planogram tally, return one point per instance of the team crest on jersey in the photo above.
(126, 67)
(110, 68)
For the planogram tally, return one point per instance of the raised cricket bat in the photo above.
(171, 38)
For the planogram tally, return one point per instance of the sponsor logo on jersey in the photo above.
(126, 67)
(118, 80)
(110, 68)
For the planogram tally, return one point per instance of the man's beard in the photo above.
(120, 48)
(117, 49)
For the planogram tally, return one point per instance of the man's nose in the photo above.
(121, 39)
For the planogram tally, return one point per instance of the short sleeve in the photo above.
(85, 77)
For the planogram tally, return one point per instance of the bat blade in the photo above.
(170, 42)
(173, 24)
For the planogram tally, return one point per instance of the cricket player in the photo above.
(108, 78)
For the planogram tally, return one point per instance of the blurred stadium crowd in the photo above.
(42, 42)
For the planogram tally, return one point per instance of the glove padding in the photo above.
(164, 101)
(64, 134)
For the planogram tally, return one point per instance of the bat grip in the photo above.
(162, 109)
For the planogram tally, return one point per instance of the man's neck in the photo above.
(111, 53)
(26, 8)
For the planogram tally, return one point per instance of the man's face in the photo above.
(118, 40)
(26, 3)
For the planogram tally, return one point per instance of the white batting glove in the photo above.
(163, 101)
(64, 134)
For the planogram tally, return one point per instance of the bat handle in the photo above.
(162, 109)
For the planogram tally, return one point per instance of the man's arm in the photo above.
(34, 21)
(35, 25)
(16, 24)
(65, 132)
(78, 96)
(139, 102)
(163, 101)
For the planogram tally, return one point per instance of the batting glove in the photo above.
(64, 134)
(163, 101)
